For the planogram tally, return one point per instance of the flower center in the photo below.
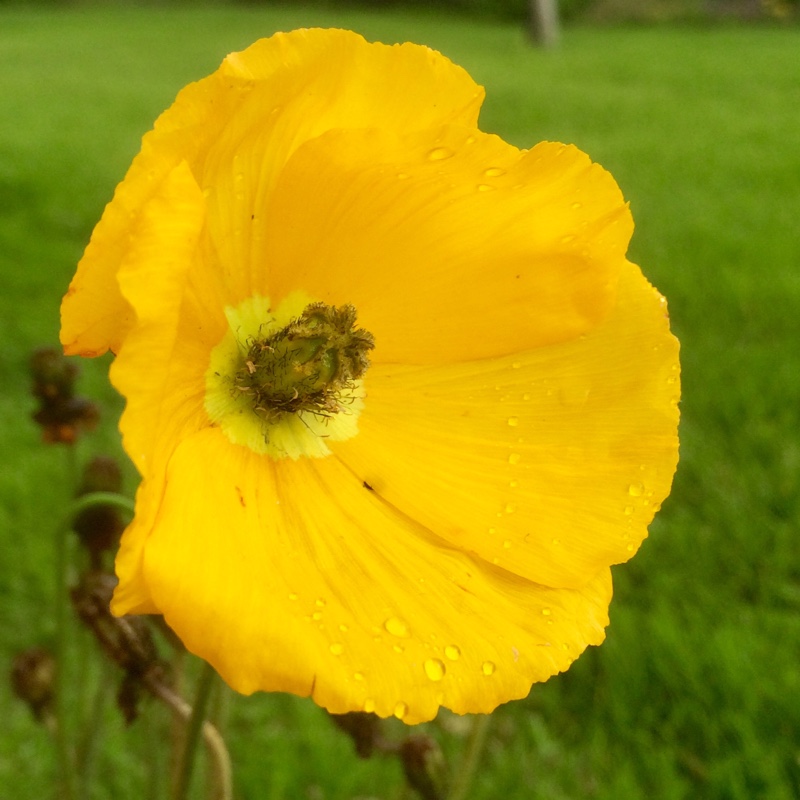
(283, 382)
(308, 366)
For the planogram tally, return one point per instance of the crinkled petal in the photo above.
(294, 576)
(161, 364)
(290, 88)
(549, 463)
(452, 244)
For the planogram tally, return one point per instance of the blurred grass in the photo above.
(696, 692)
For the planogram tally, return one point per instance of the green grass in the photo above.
(696, 692)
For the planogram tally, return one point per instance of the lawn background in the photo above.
(696, 692)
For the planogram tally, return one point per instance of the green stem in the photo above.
(469, 764)
(193, 731)
(63, 728)
(96, 499)
(93, 728)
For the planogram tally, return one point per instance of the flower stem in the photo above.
(63, 728)
(97, 499)
(469, 764)
(196, 726)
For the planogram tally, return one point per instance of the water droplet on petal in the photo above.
(514, 458)
(636, 489)
(484, 187)
(320, 603)
(629, 510)
(343, 628)
(576, 206)
(396, 627)
(494, 172)
(337, 649)
(513, 421)
(567, 239)
(435, 669)
(510, 508)
(516, 365)
(358, 676)
(546, 612)
(488, 668)
(317, 615)
(369, 705)
(292, 596)
(401, 176)
(400, 710)
(439, 154)
(452, 652)
(507, 544)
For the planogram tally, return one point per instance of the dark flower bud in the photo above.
(60, 414)
(33, 673)
(99, 527)
(424, 767)
(362, 728)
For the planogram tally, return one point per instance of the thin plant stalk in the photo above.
(469, 764)
(63, 729)
(197, 726)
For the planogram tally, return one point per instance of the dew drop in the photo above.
(546, 612)
(336, 648)
(343, 628)
(317, 615)
(488, 667)
(636, 489)
(630, 548)
(400, 710)
(492, 531)
(401, 176)
(629, 510)
(514, 458)
(358, 676)
(567, 239)
(452, 652)
(369, 705)
(510, 508)
(507, 544)
(292, 596)
(484, 187)
(526, 396)
(494, 172)
(513, 421)
(396, 627)
(439, 154)
(435, 669)
(320, 603)
(576, 206)
(516, 365)
(514, 484)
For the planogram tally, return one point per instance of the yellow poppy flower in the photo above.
(397, 398)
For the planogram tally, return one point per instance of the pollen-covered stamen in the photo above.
(305, 366)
